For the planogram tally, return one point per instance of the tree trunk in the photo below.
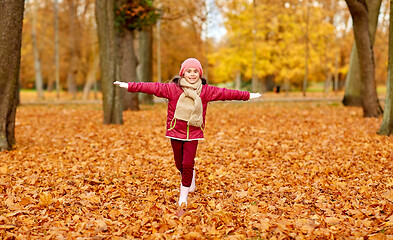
(328, 73)
(73, 67)
(238, 80)
(270, 82)
(387, 122)
(286, 86)
(328, 80)
(370, 102)
(254, 78)
(146, 61)
(335, 81)
(159, 51)
(94, 63)
(112, 104)
(353, 83)
(305, 80)
(37, 60)
(56, 50)
(128, 64)
(333, 8)
(91, 75)
(353, 86)
(51, 82)
(11, 21)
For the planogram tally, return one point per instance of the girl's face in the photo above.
(191, 75)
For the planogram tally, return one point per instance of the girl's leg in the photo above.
(189, 153)
(192, 187)
(184, 153)
(177, 147)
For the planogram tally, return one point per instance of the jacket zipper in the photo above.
(172, 126)
(188, 131)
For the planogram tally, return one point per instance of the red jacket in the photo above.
(179, 129)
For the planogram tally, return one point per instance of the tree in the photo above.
(91, 76)
(37, 59)
(116, 21)
(359, 13)
(281, 48)
(131, 17)
(353, 86)
(387, 122)
(112, 105)
(11, 21)
(146, 60)
(56, 47)
(181, 28)
(128, 64)
(93, 62)
(254, 78)
(73, 49)
(307, 55)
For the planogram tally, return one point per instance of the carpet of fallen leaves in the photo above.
(264, 171)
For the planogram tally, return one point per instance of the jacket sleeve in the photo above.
(162, 90)
(224, 94)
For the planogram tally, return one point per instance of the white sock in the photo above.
(192, 187)
(183, 194)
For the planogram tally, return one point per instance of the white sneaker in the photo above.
(192, 187)
(183, 195)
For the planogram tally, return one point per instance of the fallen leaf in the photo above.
(45, 199)
(332, 220)
(7, 227)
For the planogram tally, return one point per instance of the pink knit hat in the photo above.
(191, 63)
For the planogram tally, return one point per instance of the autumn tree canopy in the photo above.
(184, 25)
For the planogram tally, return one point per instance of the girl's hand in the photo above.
(255, 95)
(121, 84)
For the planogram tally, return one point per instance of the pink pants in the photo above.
(184, 153)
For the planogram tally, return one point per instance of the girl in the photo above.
(188, 96)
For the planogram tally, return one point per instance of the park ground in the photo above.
(266, 170)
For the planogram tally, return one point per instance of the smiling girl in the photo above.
(188, 95)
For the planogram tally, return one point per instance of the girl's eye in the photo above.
(192, 71)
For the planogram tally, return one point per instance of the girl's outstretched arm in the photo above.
(224, 94)
(162, 90)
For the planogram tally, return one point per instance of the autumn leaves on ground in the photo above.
(265, 170)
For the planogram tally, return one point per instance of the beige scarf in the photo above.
(189, 106)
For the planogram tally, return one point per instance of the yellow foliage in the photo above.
(279, 43)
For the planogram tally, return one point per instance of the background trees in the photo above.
(280, 42)
(281, 38)
(37, 58)
(109, 61)
(11, 21)
(364, 45)
(182, 26)
(353, 86)
(77, 35)
(387, 123)
(118, 21)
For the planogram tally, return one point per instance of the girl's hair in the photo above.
(177, 78)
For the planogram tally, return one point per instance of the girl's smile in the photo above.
(191, 75)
